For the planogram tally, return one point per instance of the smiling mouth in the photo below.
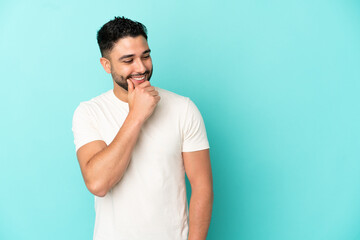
(138, 78)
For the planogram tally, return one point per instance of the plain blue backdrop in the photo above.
(277, 83)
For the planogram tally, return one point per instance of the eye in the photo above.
(128, 61)
(146, 56)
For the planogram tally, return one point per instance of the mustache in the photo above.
(139, 74)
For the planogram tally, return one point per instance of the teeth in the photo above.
(138, 79)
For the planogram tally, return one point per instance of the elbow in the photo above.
(210, 194)
(204, 192)
(97, 189)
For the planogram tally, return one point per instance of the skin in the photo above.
(103, 165)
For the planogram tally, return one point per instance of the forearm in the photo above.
(201, 202)
(107, 167)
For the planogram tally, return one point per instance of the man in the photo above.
(134, 144)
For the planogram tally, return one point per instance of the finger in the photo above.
(144, 84)
(149, 88)
(154, 93)
(130, 86)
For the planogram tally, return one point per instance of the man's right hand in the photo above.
(142, 100)
(104, 165)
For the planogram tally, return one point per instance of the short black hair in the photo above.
(116, 29)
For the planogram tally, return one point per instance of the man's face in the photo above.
(130, 59)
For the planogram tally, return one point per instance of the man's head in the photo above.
(125, 51)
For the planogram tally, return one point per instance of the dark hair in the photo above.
(116, 29)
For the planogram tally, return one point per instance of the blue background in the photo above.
(277, 83)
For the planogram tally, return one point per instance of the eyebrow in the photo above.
(132, 55)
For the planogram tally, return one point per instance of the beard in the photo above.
(121, 80)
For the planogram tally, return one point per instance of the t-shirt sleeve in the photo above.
(195, 137)
(84, 127)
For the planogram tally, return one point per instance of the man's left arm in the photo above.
(198, 170)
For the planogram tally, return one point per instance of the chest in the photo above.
(161, 133)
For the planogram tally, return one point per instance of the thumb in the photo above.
(130, 86)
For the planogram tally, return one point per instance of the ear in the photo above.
(106, 64)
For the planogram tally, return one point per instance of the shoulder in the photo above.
(176, 103)
(171, 97)
(95, 103)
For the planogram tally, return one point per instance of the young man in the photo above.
(134, 144)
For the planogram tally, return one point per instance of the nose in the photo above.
(140, 66)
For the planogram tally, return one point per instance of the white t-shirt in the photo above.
(149, 202)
